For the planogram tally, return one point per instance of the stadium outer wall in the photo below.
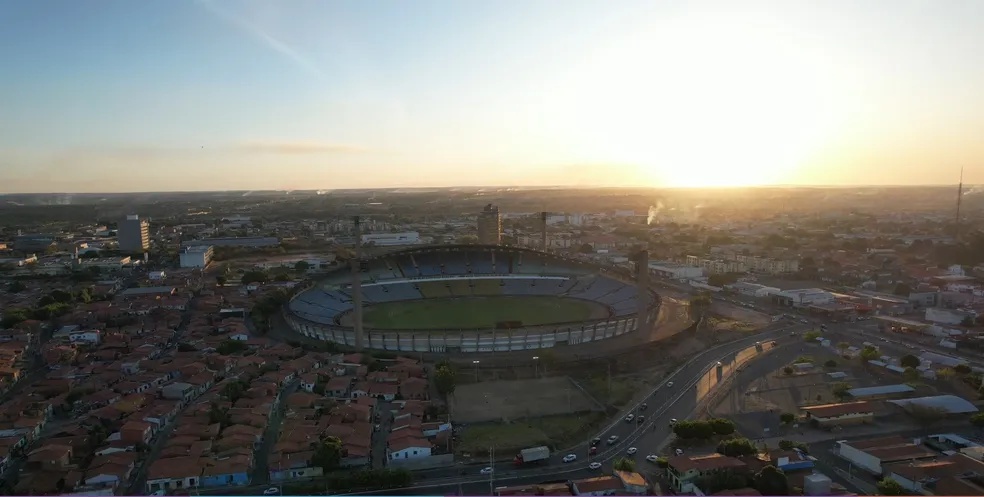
(472, 341)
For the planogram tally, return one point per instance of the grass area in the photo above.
(558, 432)
(622, 390)
(723, 324)
(478, 312)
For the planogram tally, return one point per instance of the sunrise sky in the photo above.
(148, 95)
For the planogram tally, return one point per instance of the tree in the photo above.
(16, 287)
(254, 277)
(233, 391)
(840, 390)
(787, 418)
(586, 249)
(302, 266)
(910, 375)
(220, 280)
(328, 454)
(842, 346)
(771, 481)
(977, 420)
(662, 462)
(467, 240)
(888, 486)
(624, 464)
(962, 369)
(282, 277)
(830, 364)
(700, 430)
(811, 336)
(722, 426)
(736, 447)
(869, 353)
(945, 373)
(787, 445)
(909, 361)
(699, 305)
(788, 370)
(445, 379)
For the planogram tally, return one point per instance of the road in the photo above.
(691, 384)
(261, 458)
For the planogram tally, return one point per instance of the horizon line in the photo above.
(495, 187)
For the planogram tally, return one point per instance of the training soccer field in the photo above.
(477, 312)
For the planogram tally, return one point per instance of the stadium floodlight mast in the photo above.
(357, 285)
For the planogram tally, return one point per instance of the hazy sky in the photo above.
(196, 95)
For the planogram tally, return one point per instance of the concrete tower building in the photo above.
(490, 226)
(134, 235)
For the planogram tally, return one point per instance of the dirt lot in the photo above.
(558, 432)
(741, 314)
(510, 401)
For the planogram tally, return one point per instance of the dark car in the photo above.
(644, 406)
(595, 442)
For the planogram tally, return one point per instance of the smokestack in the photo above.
(543, 235)
(642, 299)
(357, 285)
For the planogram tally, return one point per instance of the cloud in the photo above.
(297, 148)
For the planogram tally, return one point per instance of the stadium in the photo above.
(471, 299)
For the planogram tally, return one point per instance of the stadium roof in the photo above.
(951, 404)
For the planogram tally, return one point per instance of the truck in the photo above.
(533, 455)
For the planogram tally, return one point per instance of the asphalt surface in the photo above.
(691, 383)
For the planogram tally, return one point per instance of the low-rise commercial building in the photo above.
(874, 454)
(196, 256)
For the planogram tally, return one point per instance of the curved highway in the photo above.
(691, 383)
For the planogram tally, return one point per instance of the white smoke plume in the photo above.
(654, 212)
(975, 190)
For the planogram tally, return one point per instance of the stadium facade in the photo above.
(317, 309)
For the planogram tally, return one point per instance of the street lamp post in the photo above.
(536, 366)
(492, 472)
(476, 362)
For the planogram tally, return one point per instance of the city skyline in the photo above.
(200, 95)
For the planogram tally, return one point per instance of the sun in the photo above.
(705, 104)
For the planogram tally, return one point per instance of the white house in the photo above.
(409, 448)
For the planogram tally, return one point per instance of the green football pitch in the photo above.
(476, 312)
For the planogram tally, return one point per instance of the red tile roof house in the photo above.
(174, 473)
(137, 432)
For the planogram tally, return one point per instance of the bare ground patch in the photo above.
(510, 401)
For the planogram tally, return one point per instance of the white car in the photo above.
(669, 384)
(678, 452)
(487, 470)
(673, 421)
(632, 450)
(612, 439)
(651, 458)
(629, 418)
(272, 491)
(594, 465)
(570, 458)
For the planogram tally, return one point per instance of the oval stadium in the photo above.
(471, 299)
